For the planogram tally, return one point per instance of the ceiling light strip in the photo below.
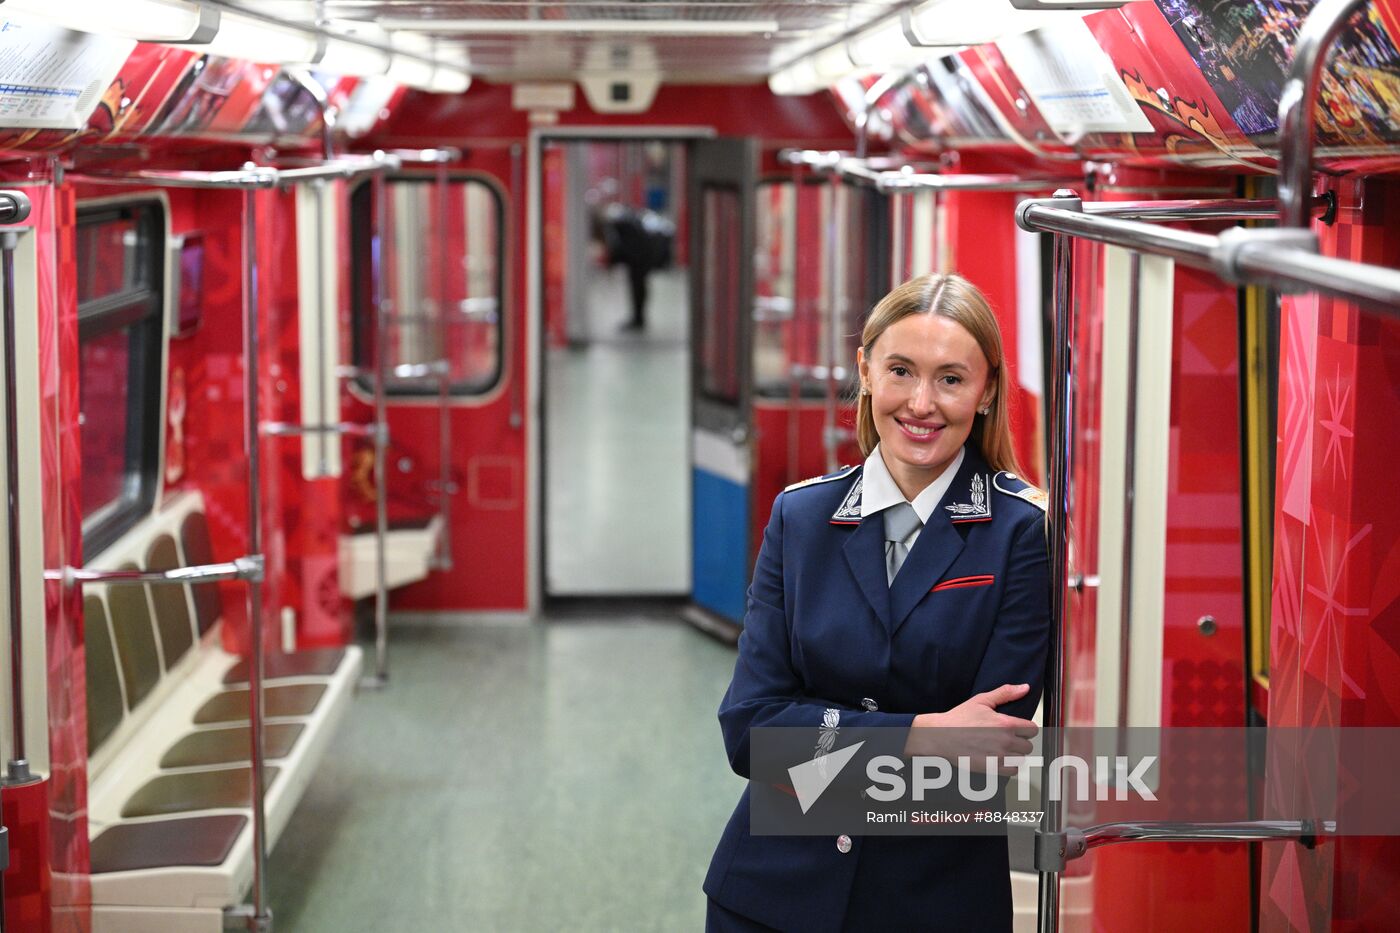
(647, 27)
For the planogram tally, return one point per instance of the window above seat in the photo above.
(120, 282)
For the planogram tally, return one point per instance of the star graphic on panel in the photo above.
(1336, 430)
(1328, 635)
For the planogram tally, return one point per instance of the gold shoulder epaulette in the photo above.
(1027, 492)
(839, 474)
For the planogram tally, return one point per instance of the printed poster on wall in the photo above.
(52, 78)
(1244, 50)
(1073, 82)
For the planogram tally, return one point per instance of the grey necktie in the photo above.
(901, 521)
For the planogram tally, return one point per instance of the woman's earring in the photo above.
(985, 411)
(865, 390)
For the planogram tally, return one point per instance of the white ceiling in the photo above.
(519, 39)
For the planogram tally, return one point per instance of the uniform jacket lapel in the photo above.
(940, 542)
(865, 553)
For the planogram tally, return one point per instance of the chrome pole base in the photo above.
(245, 917)
(17, 772)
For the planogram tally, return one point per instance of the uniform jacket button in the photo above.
(843, 844)
(870, 705)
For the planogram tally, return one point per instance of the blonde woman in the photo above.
(911, 590)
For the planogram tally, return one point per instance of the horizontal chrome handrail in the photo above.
(902, 181)
(1284, 258)
(251, 568)
(830, 158)
(1054, 850)
(437, 156)
(344, 166)
(347, 428)
(906, 178)
(249, 176)
(1198, 209)
(421, 370)
(1063, 215)
(407, 371)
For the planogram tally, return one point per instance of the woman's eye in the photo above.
(899, 370)
(952, 380)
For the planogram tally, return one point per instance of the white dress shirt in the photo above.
(879, 490)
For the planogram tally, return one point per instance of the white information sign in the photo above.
(1072, 81)
(51, 77)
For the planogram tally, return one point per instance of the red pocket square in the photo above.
(957, 583)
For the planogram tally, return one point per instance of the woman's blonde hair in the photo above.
(957, 299)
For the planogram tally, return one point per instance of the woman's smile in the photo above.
(921, 432)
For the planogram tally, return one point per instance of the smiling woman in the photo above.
(917, 582)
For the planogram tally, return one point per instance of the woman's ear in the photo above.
(862, 369)
(988, 396)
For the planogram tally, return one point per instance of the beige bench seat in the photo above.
(169, 802)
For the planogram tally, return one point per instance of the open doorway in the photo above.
(616, 368)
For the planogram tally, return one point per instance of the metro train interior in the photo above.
(396, 393)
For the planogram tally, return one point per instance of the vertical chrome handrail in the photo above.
(887, 82)
(1057, 533)
(17, 768)
(381, 434)
(261, 919)
(1125, 597)
(829, 344)
(313, 88)
(443, 560)
(323, 466)
(1297, 106)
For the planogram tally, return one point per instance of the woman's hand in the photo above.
(974, 729)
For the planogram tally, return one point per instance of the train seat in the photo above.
(169, 745)
(409, 547)
(316, 662)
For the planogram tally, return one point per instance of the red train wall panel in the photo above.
(1335, 652)
(484, 117)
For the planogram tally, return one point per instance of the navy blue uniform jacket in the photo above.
(824, 631)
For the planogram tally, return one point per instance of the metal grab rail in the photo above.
(442, 560)
(261, 916)
(14, 207)
(440, 155)
(17, 768)
(308, 83)
(1297, 104)
(1272, 257)
(347, 428)
(1054, 850)
(1201, 209)
(380, 677)
(240, 568)
(250, 176)
(904, 179)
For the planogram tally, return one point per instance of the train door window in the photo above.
(821, 264)
(442, 275)
(719, 370)
(775, 287)
(120, 257)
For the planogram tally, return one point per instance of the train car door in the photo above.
(722, 285)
